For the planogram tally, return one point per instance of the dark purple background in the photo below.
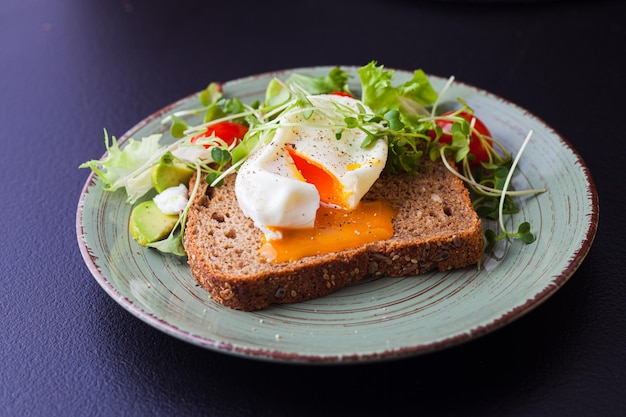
(69, 68)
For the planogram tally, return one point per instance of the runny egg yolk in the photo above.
(335, 228)
(328, 186)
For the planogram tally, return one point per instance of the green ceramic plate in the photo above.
(376, 319)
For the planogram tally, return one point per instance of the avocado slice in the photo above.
(148, 224)
(169, 173)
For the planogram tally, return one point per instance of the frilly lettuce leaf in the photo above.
(127, 167)
(409, 98)
(335, 80)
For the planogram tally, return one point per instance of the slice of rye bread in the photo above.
(435, 227)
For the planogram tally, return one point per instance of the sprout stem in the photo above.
(493, 192)
(508, 179)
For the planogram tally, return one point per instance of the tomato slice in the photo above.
(229, 132)
(476, 146)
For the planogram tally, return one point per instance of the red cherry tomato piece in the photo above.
(341, 93)
(229, 132)
(476, 147)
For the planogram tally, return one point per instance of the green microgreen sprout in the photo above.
(221, 156)
(523, 231)
(178, 126)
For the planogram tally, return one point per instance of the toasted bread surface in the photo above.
(435, 228)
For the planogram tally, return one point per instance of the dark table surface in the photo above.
(68, 68)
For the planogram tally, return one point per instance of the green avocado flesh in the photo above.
(164, 176)
(148, 224)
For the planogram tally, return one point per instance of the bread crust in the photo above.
(436, 228)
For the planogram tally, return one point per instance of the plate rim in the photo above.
(268, 354)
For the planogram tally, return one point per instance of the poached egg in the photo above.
(304, 188)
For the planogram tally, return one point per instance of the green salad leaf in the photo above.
(409, 98)
(335, 80)
(119, 167)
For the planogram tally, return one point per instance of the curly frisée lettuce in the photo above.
(405, 115)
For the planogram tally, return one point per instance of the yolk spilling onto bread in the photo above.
(334, 230)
